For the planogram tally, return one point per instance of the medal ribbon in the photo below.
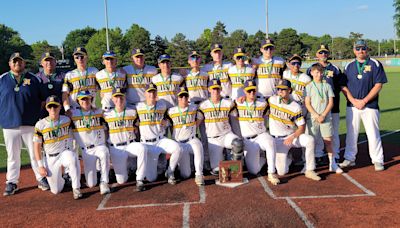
(151, 114)
(55, 131)
(21, 79)
(139, 75)
(320, 93)
(170, 81)
(186, 115)
(83, 81)
(112, 80)
(89, 119)
(123, 115)
(249, 110)
(361, 69)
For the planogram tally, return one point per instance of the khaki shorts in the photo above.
(325, 129)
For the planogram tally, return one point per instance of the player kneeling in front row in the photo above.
(287, 126)
(183, 118)
(216, 112)
(53, 133)
(152, 128)
(251, 115)
(120, 121)
(88, 128)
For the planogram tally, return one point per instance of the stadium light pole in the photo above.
(106, 17)
(266, 19)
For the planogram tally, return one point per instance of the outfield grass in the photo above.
(389, 105)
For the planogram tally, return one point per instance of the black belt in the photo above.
(214, 137)
(280, 136)
(186, 140)
(88, 147)
(197, 102)
(251, 137)
(227, 97)
(150, 140)
(122, 144)
(53, 155)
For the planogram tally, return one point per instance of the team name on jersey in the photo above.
(284, 115)
(180, 120)
(138, 80)
(83, 83)
(55, 134)
(212, 115)
(107, 84)
(251, 113)
(94, 122)
(150, 117)
(269, 70)
(198, 82)
(120, 124)
(221, 74)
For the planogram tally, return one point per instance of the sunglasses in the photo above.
(195, 57)
(108, 59)
(79, 57)
(295, 63)
(241, 58)
(183, 96)
(251, 91)
(281, 89)
(269, 47)
(52, 106)
(85, 99)
(361, 48)
(323, 53)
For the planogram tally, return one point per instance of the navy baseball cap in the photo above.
(267, 43)
(83, 94)
(295, 56)
(16, 55)
(163, 58)
(53, 100)
(118, 92)
(109, 54)
(214, 84)
(249, 85)
(137, 52)
(284, 84)
(216, 47)
(150, 87)
(193, 53)
(183, 91)
(47, 55)
(80, 51)
(323, 47)
(360, 43)
(239, 51)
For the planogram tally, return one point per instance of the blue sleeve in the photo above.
(380, 76)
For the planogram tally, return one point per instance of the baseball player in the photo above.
(21, 96)
(218, 69)
(167, 83)
(82, 78)
(183, 118)
(269, 69)
(251, 115)
(363, 80)
(333, 76)
(239, 73)
(53, 135)
(88, 130)
(120, 121)
(151, 116)
(109, 78)
(216, 112)
(196, 81)
(138, 76)
(287, 126)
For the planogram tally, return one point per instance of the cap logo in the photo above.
(194, 53)
(17, 54)
(250, 83)
(239, 50)
(47, 54)
(268, 41)
(322, 46)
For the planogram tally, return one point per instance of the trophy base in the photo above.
(232, 184)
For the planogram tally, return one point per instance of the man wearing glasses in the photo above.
(109, 78)
(332, 75)
(138, 76)
(269, 69)
(239, 73)
(363, 80)
(287, 126)
(82, 78)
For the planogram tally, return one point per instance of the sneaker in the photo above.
(77, 193)
(215, 172)
(171, 178)
(273, 178)
(379, 166)
(10, 189)
(347, 163)
(311, 174)
(335, 168)
(199, 180)
(104, 189)
(43, 184)
(140, 186)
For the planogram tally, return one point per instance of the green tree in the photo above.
(203, 44)
(158, 47)
(178, 48)
(97, 45)
(309, 43)
(37, 50)
(218, 33)
(11, 42)
(77, 38)
(343, 48)
(254, 43)
(237, 38)
(136, 37)
(288, 43)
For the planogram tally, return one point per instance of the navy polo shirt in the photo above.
(333, 76)
(373, 73)
(20, 108)
(55, 88)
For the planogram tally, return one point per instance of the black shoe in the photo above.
(67, 179)
(10, 189)
(214, 172)
(43, 184)
(140, 186)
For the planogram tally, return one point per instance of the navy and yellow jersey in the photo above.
(267, 75)
(251, 117)
(216, 116)
(299, 83)
(220, 72)
(55, 135)
(238, 77)
(121, 125)
(183, 122)
(150, 118)
(196, 84)
(107, 82)
(137, 79)
(88, 127)
(284, 118)
(167, 88)
(76, 81)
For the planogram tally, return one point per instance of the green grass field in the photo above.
(389, 105)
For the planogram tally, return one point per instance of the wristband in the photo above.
(40, 163)
(67, 107)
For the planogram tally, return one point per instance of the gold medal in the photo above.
(50, 86)
(16, 89)
(359, 76)
(251, 121)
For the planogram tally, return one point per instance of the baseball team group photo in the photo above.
(122, 122)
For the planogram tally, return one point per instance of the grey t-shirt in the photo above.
(319, 94)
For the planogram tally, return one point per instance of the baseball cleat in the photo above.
(104, 189)
(215, 172)
(76, 193)
(379, 166)
(10, 189)
(333, 167)
(171, 178)
(140, 186)
(311, 174)
(273, 178)
(43, 184)
(199, 180)
(347, 163)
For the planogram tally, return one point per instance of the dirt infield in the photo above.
(359, 198)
